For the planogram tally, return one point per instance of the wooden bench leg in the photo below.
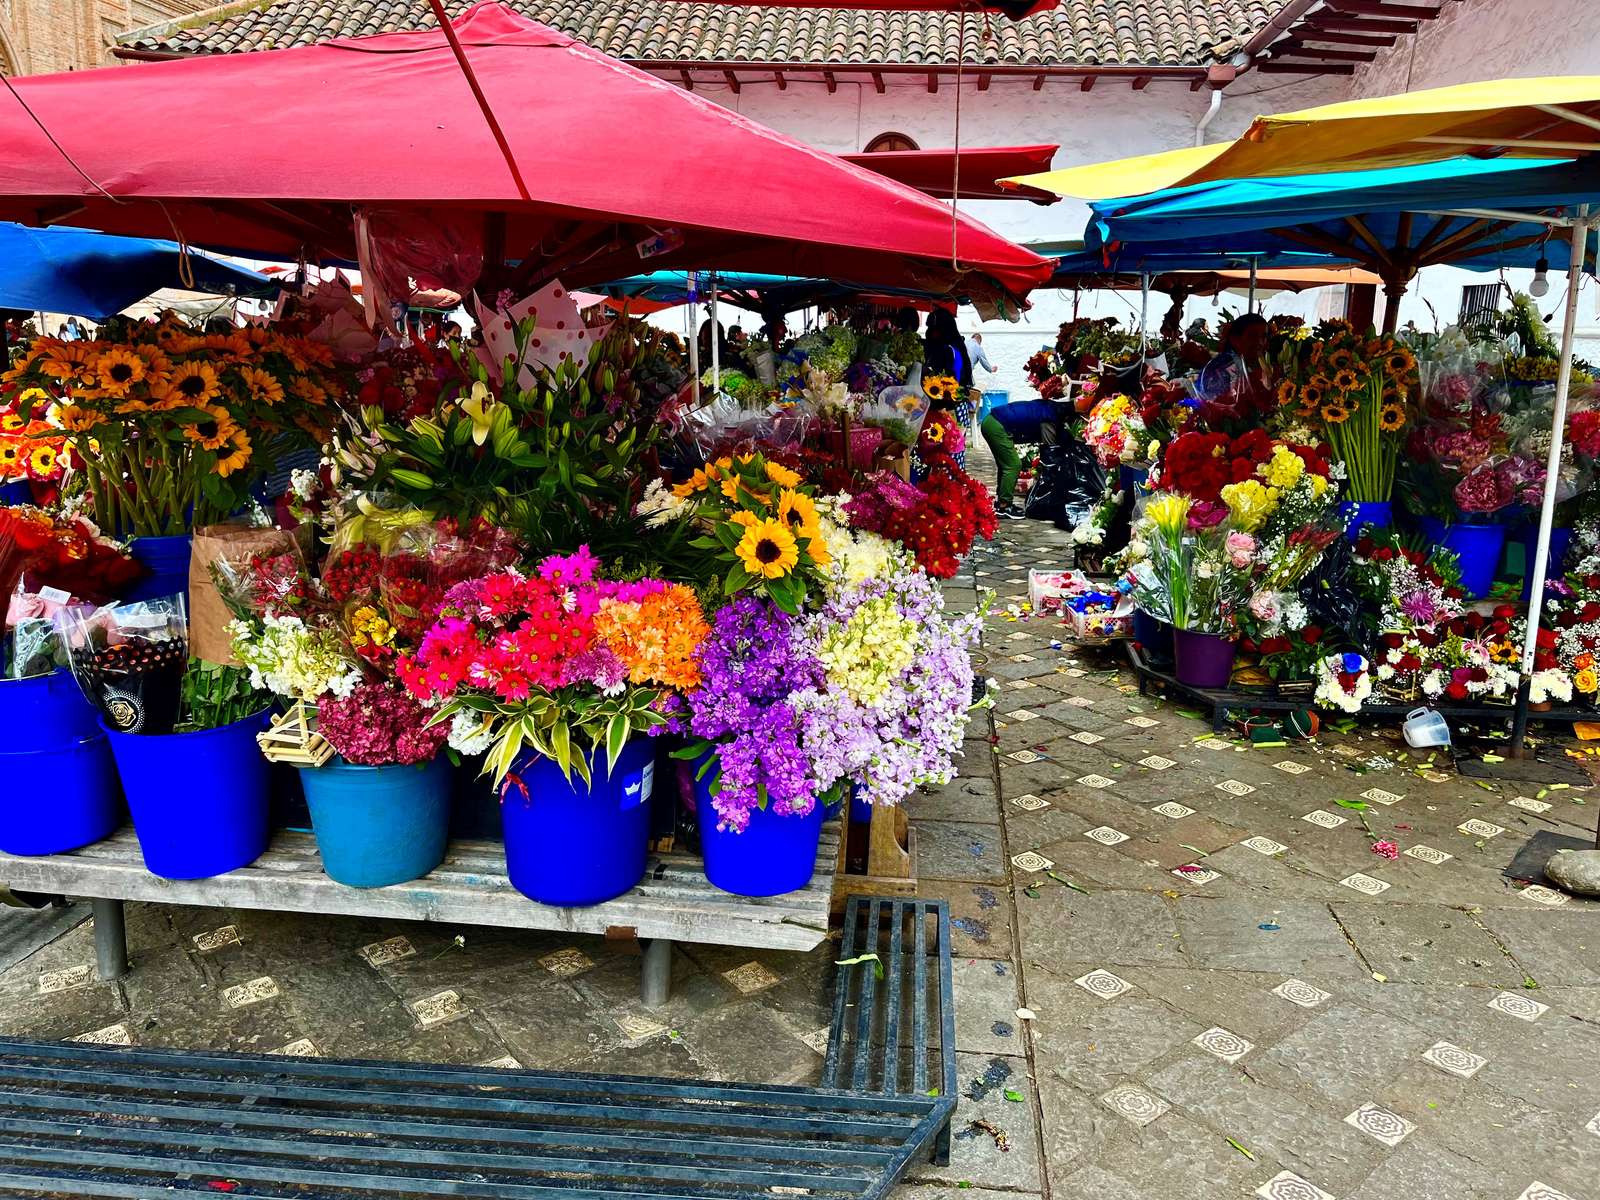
(110, 939)
(655, 976)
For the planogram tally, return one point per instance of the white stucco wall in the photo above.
(1474, 40)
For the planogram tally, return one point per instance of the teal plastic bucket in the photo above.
(573, 845)
(198, 800)
(1477, 546)
(167, 560)
(379, 825)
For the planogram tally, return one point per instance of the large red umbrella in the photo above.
(605, 171)
(1015, 9)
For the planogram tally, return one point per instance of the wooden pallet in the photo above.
(138, 1123)
(674, 903)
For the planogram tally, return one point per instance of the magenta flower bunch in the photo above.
(380, 726)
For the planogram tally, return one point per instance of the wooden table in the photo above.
(674, 903)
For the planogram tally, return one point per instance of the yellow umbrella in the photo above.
(1550, 117)
(1539, 118)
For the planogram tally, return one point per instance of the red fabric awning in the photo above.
(266, 153)
(933, 171)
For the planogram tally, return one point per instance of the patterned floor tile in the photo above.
(1298, 991)
(1453, 1060)
(1084, 738)
(381, 954)
(1097, 781)
(1290, 767)
(1529, 804)
(1106, 835)
(1263, 845)
(1480, 829)
(1023, 756)
(1174, 810)
(1540, 894)
(1141, 722)
(1224, 1044)
(1157, 763)
(1379, 796)
(1195, 873)
(1594, 1125)
(751, 978)
(1286, 1185)
(1235, 787)
(215, 939)
(1514, 1004)
(1365, 884)
(1031, 862)
(1134, 1104)
(1028, 802)
(1380, 1124)
(111, 1035)
(1022, 714)
(1104, 984)
(1542, 1191)
(1427, 854)
(1322, 817)
(564, 964)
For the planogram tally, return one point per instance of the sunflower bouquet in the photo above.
(32, 448)
(172, 425)
(761, 527)
(1356, 389)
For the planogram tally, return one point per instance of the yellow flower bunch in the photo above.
(1284, 468)
(762, 527)
(1250, 503)
(1169, 513)
(171, 423)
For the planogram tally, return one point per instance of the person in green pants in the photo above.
(1009, 465)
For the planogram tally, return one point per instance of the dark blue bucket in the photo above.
(167, 559)
(1133, 479)
(17, 491)
(199, 800)
(1154, 634)
(379, 825)
(1560, 543)
(774, 855)
(1477, 546)
(1358, 514)
(571, 845)
(54, 748)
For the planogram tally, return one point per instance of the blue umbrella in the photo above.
(748, 290)
(1393, 221)
(96, 275)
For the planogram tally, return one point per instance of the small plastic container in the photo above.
(1425, 728)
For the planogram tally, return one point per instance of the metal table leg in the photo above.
(110, 939)
(655, 981)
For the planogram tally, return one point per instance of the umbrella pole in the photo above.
(1558, 421)
(1254, 266)
(1144, 314)
(716, 338)
(694, 336)
(1393, 290)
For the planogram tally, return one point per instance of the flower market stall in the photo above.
(1430, 452)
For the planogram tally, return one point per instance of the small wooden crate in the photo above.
(293, 738)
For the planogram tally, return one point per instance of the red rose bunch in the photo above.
(61, 552)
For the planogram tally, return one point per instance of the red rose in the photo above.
(1456, 691)
(1311, 634)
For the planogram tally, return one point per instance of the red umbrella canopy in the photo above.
(268, 153)
(1015, 9)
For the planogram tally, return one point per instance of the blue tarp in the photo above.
(96, 275)
(1395, 216)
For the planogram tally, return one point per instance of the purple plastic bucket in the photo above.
(1204, 660)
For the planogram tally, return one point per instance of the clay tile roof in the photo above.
(1078, 33)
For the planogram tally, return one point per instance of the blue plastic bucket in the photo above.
(774, 855)
(1133, 479)
(379, 825)
(1358, 514)
(43, 712)
(1477, 546)
(16, 491)
(1560, 543)
(572, 845)
(199, 800)
(167, 559)
(63, 798)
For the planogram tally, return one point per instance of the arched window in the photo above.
(890, 141)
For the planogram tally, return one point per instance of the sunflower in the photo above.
(1335, 412)
(1341, 359)
(264, 387)
(782, 476)
(939, 388)
(42, 464)
(698, 482)
(934, 432)
(1311, 395)
(12, 422)
(768, 550)
(744, 518)
(1321, 381)
(237, 453)
(132, 406)
(308, 389)
(798, 512)
(74, 419)
(196, 382)
(817, 549)
(1504, 652)
(118, 370)
(213, 430)
(1391, 418)
(66, 360)
(10, 455)
(1400, 362)
(1346, 380)
(1287, 391)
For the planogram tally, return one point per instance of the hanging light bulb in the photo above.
(1540, 286)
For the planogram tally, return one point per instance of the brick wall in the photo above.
(41, 36)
